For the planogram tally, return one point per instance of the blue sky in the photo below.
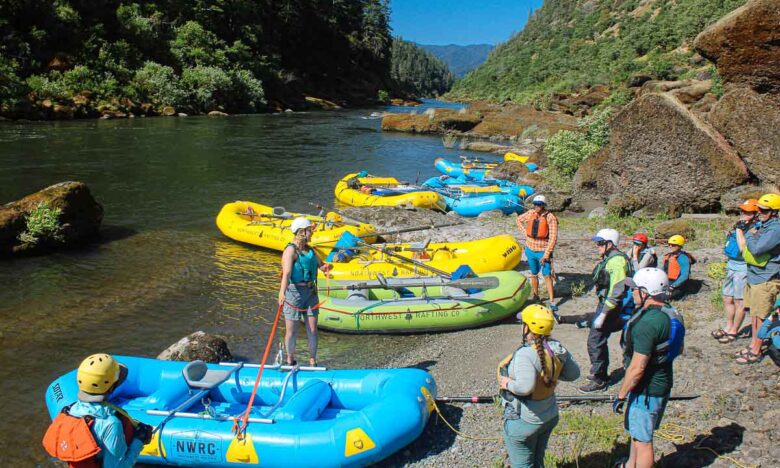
(463, 22)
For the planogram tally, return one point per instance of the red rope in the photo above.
(240, 424)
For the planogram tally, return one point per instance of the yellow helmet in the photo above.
(333, 217)
(539, 319)
(770, 201)
(97, 374)
(676, 240)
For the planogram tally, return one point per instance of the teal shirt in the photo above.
(109, 435)
(650, 330)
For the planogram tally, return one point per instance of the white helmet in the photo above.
(653, 280)
(299, 223)
(607, 235)
(540, 200)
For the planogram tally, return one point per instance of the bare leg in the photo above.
(535, 286)
(290, 335)
(311, 333)
(728, 305)
(631, 462)
(739, 315)
(550, 290)
(755, 341)
(644, 454)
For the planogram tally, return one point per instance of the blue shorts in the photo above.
(535, 262)
(643, 415)
(734, 285)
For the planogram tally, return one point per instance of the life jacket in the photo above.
(541, 391)
(770, 330)
(538, 227)
(600, 274)
(669, 349)
(654, 262)
(731, 249)
(672, 266)
(304, 269)
(70, 438)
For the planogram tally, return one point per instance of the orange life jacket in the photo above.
(537, 227)
(70, 439)
(672, 266)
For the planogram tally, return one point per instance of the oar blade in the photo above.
(479, 282)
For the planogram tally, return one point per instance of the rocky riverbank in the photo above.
(735, 415)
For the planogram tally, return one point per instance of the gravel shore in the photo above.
(736, 415)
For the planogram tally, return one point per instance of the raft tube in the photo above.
(485, 185)
(274, 233)
(497, 253)
(457, 169)
(472, 206)
(361, 189)
(417, 309)
(314, 418)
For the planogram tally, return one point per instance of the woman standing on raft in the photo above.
(527, 379)
(298, 291)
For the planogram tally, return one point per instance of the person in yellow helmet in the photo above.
(760, 246)
(677, 265)
(117, 440)
(527, 380)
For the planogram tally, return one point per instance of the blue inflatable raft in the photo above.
(444, 181)
(300, 417)
(474, 171)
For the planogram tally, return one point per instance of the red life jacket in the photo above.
(537, 227)
(672, 266)
(70, 439)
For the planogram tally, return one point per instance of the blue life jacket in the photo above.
(731, 249)
(341, 249)
(669, 349)
(304, 268)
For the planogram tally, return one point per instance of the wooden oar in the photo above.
(417, 263)
(287, 216)
(393, 232)
(487, 282)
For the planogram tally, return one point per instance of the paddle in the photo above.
(396, 231)
(392, 254)
(488, 282)
(281, 213)
(322, 207)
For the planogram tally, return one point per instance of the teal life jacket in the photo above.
(304, 269)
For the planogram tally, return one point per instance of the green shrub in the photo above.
(207, 88)
(158, 84)
(717, 82)
(132, 20)
(567, 149)
(247, 92)
(194, 46)
(48, 87)
(42, 224)
(597, 126)
(382, 96)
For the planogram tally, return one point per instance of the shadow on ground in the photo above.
(599, 459)
(436, 438)
(721, 440)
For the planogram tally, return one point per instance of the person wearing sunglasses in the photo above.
(677, 264)
(736, 275)
(760, 248)
(641, 254)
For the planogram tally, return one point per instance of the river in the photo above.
(163, 270)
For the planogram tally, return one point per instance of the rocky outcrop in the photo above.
(579, 104)
(751, 122)
(514, 171)
(79, 220)
(199, 345)
(663, 157)
(745, 45)
(438, 121)
(667, 229)
(731, 200)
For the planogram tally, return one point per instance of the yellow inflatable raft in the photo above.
(353, 190)
(256, 224)
(498, 253)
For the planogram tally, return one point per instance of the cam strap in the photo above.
(70, 439)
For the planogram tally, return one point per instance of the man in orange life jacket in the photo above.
(677, 265)
(541, 231)
(116, 439)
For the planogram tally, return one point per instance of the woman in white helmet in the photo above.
(298, 290)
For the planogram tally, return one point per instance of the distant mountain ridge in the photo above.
(460, 59)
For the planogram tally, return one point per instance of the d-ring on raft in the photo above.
(316, 417)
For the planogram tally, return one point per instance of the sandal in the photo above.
(742, 352)
(727, 338)
(750, 358)
(719, 333)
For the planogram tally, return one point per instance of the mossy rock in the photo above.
(673, 227)
(624, 205)
(731, 200)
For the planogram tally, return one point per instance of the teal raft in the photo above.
(300, 417)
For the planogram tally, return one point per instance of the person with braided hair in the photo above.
(527, 380)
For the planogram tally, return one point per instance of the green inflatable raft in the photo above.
(414, 305)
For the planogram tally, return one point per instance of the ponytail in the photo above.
(540, 343)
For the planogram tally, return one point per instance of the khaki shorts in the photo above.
(760, 298)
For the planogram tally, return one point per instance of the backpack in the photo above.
(69, 438)
(669, 349)
(731, 249)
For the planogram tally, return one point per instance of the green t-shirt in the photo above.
(650, 330)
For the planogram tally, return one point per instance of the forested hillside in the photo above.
(459, 58)
(83, 57)
(416, 72)
(572, 44)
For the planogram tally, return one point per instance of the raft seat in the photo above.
(198, 375)
(307, 404)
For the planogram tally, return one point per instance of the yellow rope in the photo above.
(441, 416)
(677, 434)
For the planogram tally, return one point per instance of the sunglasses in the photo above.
(601, 243)
(638, 242)
(764, 210)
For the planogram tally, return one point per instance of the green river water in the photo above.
(163, 269)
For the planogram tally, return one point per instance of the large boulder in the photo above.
(662, 156)
(199, 345)
(731, 200)
(751, 122)
(745, 45)
(513, 171)
(79, 219)
(674, 227)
